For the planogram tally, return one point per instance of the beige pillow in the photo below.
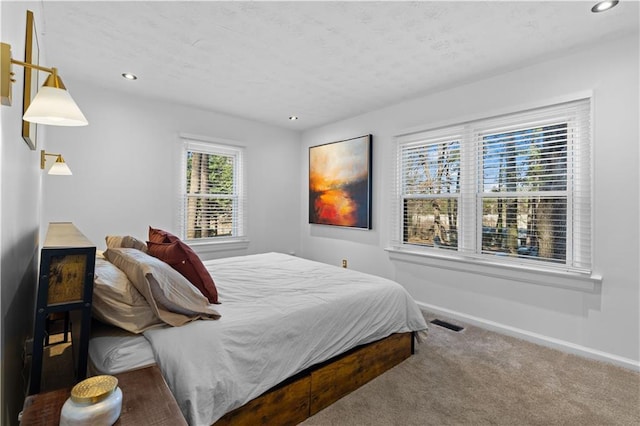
(172, 297)
(126, 241)
(116, 301)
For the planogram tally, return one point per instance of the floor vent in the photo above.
(447, 325)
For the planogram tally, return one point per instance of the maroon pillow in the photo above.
(161, 236)
(184, 260)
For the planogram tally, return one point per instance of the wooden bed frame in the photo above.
(308, 392)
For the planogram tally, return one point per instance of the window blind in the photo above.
(430, 186)
(213, 197)
(513, 188)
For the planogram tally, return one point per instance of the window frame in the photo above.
(213, 146)
(469, 248)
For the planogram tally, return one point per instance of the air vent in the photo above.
(448, 325)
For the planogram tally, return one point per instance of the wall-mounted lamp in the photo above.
(52, 105)
(58, 168)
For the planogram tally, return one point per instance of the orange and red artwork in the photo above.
(340, 183)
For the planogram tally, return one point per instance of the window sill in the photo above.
(547, 277)
(215, 246)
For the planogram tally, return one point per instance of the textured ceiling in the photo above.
(321, 61)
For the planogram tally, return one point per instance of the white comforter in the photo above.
(280, 315)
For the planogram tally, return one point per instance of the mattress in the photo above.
(280, 315)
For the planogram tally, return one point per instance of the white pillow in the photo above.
(126, 241)
(171, 296)
(113, 350)
(116, 301)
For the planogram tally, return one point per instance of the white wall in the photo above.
(125, 167)
(20, 189)
(603, 324)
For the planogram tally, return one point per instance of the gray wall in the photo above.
(20, 194)
(604, 324)
(126, 170)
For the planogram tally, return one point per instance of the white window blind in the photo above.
(213, 197)
(513, 189)
(430, 185)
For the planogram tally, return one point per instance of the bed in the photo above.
(290, 333)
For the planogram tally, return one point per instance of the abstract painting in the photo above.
(340, 183)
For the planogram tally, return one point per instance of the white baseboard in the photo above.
(535, 337)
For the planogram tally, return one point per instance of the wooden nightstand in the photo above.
(146, 400)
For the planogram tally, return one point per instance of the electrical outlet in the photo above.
(344, 263)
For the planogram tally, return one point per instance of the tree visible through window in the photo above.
(510, 187)
(524, 193)
(431, 186)
(212, 197)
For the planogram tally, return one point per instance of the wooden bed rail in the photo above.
(308, 392)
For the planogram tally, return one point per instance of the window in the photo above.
(510, 189)
(431, 192)
(212, 205)
(524, 193)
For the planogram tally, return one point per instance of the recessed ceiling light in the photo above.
(293, 118)
(129, 76)
(604, 5)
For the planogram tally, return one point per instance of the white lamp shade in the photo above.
(55, 107)
(60, 168)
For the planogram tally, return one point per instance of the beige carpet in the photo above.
(477, 377)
